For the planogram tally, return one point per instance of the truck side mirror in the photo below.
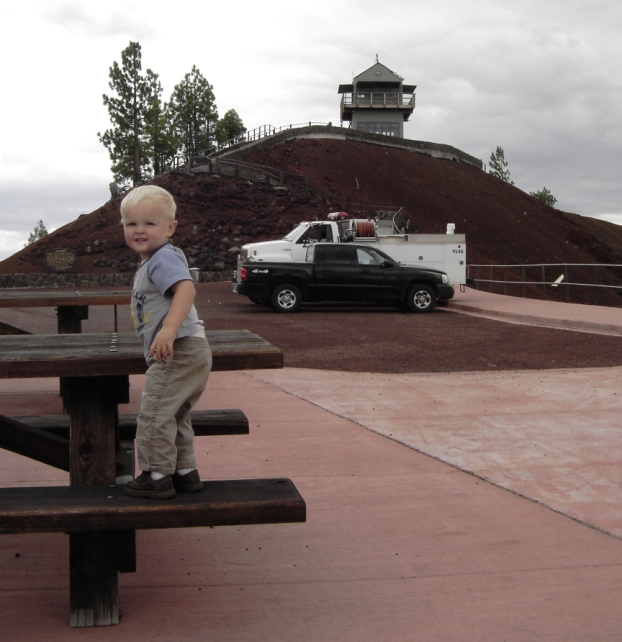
(386, 264)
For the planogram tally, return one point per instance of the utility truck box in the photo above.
(444, 252)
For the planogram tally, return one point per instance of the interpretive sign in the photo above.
(60, 261)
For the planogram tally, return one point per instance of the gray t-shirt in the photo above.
(152, 296)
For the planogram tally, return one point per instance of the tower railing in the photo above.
(377, 99)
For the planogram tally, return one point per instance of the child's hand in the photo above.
(162, 348)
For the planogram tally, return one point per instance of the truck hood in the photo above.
(277, 251)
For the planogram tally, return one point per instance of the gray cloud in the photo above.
(25, 203)
(73, 17)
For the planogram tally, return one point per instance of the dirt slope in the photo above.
(503, 225)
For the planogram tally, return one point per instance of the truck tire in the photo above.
(285, 298)
(421, 298)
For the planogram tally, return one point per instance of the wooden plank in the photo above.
(35, 298)
(83, 355)
(102, 508)
(93, 419)
(204, 422)
(20, 438)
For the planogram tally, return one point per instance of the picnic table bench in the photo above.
(100, 520)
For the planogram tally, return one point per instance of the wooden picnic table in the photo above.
(72, 305)
(95, 369)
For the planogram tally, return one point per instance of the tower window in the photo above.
(387, 129)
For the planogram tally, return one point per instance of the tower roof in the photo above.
(378, 72)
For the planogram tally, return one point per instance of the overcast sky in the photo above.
(540, 78)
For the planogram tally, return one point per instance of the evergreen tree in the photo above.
(125, 140)
(38, 232)
(160, 144)
(498, 166)
(544, 196)
(229, 126)
(194, 113)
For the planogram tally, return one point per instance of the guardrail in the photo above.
(560, 276)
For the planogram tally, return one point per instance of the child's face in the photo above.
(147, 228)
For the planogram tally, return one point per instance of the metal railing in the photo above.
(264, 131)
(261, 132)
(377, 99)
(561, 276)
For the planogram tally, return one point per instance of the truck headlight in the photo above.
(444, 278)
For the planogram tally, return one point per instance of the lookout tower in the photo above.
(378, 101)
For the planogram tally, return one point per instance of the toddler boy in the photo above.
(178, 356)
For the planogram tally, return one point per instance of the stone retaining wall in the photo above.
(88, 280)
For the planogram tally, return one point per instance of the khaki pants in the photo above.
(164, 435)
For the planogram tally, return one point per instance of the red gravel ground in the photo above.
(358, 338)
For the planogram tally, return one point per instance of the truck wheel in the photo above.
(421, 298)
(286, 298)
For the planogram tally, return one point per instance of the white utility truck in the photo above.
(445, 252)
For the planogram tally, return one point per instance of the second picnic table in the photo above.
(72, 305)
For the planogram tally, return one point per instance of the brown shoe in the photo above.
(145, 486)
(188, 483)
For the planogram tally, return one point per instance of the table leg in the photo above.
(70, 318)
(69, 321)
(96, 558)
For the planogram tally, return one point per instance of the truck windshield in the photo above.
(293, 235)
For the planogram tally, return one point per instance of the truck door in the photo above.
(315, 233)
(336, 272)
(376, 281)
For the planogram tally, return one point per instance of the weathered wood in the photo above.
(35, 298)
(69, 318)
(85, 355)
(23, 439)
(204, 422)
(93, 419)
(48, 509)
(94, 560)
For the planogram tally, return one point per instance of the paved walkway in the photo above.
(468, 506)
(550, 314)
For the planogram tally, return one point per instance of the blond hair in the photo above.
(150, 193)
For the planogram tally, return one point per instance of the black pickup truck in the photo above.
(342, 272)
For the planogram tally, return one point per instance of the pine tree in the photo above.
(194, 113)
(160, 144)
(498, 166)
(38, 232)
(229, 126)
(544, 196)
(125, 140)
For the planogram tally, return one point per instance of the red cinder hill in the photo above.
(503, 225)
